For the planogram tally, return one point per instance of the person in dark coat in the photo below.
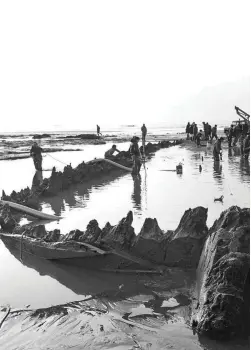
(214, 133)
(231, 135)
(195, 131)
(188, 130)
(36, 154)
(246, 145)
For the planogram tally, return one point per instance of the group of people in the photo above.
(134, 150)
(238, 133)
(196, 135)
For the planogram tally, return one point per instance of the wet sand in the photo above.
(158, 193)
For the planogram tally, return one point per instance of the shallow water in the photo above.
(157, 193)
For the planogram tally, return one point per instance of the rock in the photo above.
(7, 221)
(222, 274)
(192, 224)
(41, 136)
(121, 235)
(222, 313)
(92, 232)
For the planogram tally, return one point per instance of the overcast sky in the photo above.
(72, 64)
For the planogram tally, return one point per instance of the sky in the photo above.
(68, 65)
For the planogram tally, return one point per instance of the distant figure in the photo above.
(98, 130)
(136, 155)
(198, 138)
(217, 152)
(36, 154)
(195, 131)
(209, 128)
(188, 130)
(245, 129)
(191, 131)
(246, 145)
(144, 132)
(238, 131)
(110, 152)
(214, 133)
(231, 135)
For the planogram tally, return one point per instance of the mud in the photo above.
(220, 297)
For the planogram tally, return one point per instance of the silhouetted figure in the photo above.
(188, 130)
(214, 133)
(144, 132)
(238, 132)
(195, 131)
(36, 154)
(98, 130)
(231, 135)
(136, 155)
(246, 146)
(209, 128)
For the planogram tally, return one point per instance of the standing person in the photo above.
(109, 153)
(217, 152)
(98, 130)
(246, 145)
(195, 131)
(136, 155)
(231, 135)
(144, 132)
(238, 130)
(191, 131)
(205, 129)
(188, 130)
(214, 133)
(209, 131)
(36, 154)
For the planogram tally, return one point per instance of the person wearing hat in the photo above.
(214, 133)
(217, 152)
(36, 154)
(136, 155)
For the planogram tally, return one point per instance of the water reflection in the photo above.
(136, 195)
(217, 172)
(86, 278)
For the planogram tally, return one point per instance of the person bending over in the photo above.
(111, 151)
